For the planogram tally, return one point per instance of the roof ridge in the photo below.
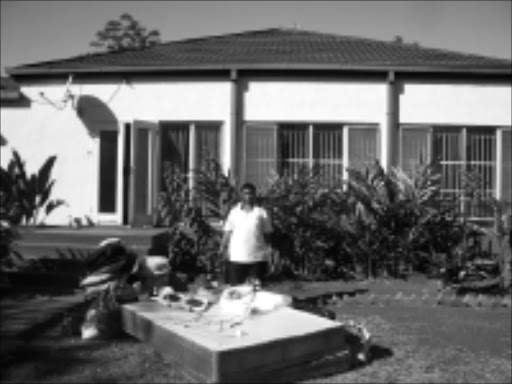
(335, 36)
(217, 36)
(401, 43)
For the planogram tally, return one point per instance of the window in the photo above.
(282, 149)
(505, 161)
(458, 152)
(328, 151)
(108, 171)
(188, 145)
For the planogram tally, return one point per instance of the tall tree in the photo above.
(123, 34)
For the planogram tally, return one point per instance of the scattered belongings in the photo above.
(487, 285)
(476, 276)
(107, 287)
(184, 301)
(153, 272)
(219, 346)
(111, 260)
(213, 333)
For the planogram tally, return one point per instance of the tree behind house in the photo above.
(123, 34)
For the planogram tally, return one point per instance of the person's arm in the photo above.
(267, 228)
(227, 230)
(226, 236)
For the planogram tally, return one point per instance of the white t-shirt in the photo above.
(247, 244)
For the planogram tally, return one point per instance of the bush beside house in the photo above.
(376, 224)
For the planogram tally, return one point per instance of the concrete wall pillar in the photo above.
(389, 137)
(235, 125)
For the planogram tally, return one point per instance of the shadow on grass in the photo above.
(47, 358)
(338, 364)
(378, 352)
(54, 356)
(341, 363)
(61, 360)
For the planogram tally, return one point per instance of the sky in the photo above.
(35, 31)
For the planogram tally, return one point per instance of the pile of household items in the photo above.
(118, 276)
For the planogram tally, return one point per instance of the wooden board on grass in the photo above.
(277, 346)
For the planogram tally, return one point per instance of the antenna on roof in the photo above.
(398, 39)
(68, 96)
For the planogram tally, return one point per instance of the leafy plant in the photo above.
(194, 245)
(215, 192)
(193, 241)
(501, 233)
(393, 211)
(305, 211)
(29, 195)
(175, 199)
(8, 236)
(9, 215)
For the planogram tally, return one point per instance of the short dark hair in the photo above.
(248, 186)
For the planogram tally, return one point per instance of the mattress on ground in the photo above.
(210, 347)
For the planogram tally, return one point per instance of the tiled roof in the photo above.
(275, 49)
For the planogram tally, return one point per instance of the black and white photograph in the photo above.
(256, 192)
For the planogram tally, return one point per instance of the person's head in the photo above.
(248, 191)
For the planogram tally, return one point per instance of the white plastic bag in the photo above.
(245, 300)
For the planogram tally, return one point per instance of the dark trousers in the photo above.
(238, 273)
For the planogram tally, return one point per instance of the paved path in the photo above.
(23, 318)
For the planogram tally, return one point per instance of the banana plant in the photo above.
(175, 198)
(214, 191)
(30, 193)
(501, 233)
(394, 209)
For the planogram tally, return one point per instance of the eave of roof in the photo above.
(263, 67)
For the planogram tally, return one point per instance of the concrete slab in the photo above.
(272, 347)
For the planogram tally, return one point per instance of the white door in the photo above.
(144, 182)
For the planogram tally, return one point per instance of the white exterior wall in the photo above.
(315, 101)
(456, 104)
(43, 130)
(320, 101)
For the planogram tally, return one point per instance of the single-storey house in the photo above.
(263, 103)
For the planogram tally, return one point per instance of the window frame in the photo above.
(192, 150)
(345, 128)
(107, 218)
(495, 189)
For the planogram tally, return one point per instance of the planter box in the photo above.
(282, 345)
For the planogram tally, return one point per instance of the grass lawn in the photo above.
(413, 343)
(420, 344)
